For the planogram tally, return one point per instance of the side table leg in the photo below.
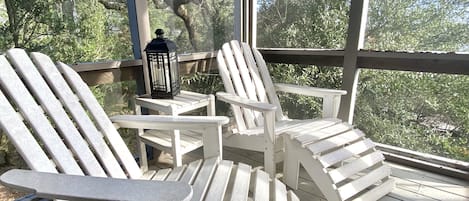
(211, 105)
(176, 143)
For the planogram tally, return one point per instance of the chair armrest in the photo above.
(331, 97)
(309, 91)
(161, 122)
(73, 187)
(245, 103)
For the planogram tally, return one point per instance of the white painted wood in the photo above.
(346, 152)
(174, 141)
(73, 187)
(191, 171)
(16, 90)
(189, 140)
(20, 136)
(148, 175)
(326, 132)
(248, 83)
(377, 192)
(176, 145)
(295, 128)
(161, 174)
(176, 174)
(245, 103)
(254, 72)
(49, 71)
(350, 189)
(344, 172)
(292, 196)
(213, 143)
(235, 76)
(291, 164)
(334, 142)
(308, 91)
(268, 84)
(169, 122)
(241, 183)
(183, 102)
(269, 143)
(228, 84)
(262, 189)
(105, 126)
(331, 97)
(203, 179)
(330, 106)
(220, 181)
(280, 191)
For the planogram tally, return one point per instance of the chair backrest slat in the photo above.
(245, 73)
(64, 125)
(268, 83)
(33, 114)
(248, 82)
(103, 123)
(228, 84)
(60, 119)
(20, 136)
(94, 138)
(237, 83)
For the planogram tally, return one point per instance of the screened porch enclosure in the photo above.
(405, 67)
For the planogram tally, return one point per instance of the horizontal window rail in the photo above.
(434, 62)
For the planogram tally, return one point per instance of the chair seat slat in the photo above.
(191, 171)
(176, 174)
(262, 189)
(241, 183)
(220, 180)
(203, 179)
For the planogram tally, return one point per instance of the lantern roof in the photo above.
(161, 44)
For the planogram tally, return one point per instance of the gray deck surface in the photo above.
(411, 184)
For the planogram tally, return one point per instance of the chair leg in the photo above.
(291, 166)
(143, 156)
(269, 160)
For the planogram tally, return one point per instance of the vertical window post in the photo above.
(355, 42)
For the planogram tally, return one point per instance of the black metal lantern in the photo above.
(163, 67)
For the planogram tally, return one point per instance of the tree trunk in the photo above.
(12, 22)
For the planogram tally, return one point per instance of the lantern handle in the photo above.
(159, 33)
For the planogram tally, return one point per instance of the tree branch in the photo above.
(114, 4)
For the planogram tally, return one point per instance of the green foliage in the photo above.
(417, 25)
(302, 23)
(70, 32)
(212, 21)
(426, 112)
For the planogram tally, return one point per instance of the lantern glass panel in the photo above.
(174, 70)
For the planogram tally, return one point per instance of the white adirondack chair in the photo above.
(75, 152)
(334, 154)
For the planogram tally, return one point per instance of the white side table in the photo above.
(178, 142)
